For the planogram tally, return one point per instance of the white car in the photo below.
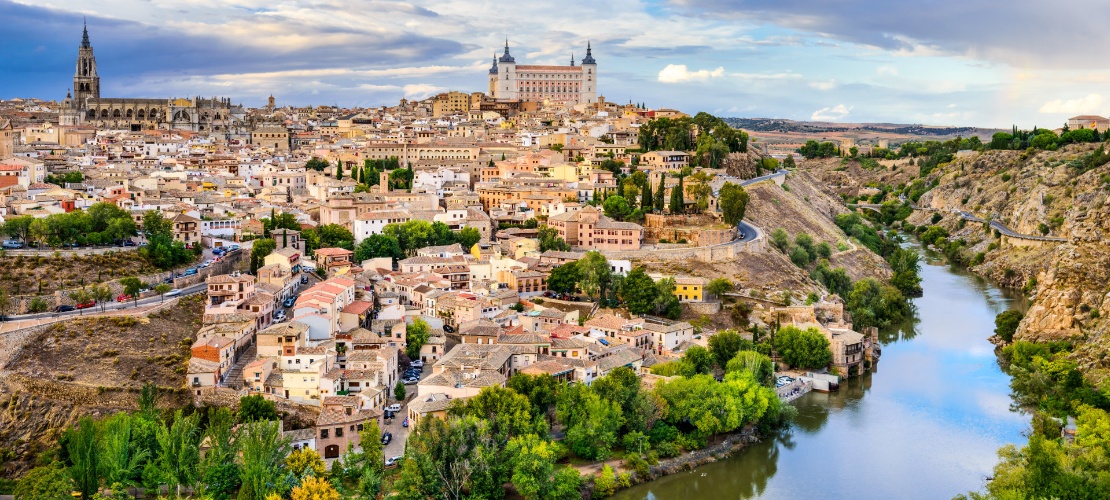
(393, 408)
(417, 364)
(391, 461)
(173, 293)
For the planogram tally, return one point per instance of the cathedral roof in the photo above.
(85, 38)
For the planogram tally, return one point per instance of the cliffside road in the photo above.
(747, 232)
(198, 288)
(968, 217)
(780, 173)
(1011, 233)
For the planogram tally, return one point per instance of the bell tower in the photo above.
(86, 83)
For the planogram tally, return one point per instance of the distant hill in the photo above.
(783, 130)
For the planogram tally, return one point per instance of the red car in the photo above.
(123, 297)
(86, 305)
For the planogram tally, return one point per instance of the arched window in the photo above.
(141, 114)
(130, 113)
(116, 114)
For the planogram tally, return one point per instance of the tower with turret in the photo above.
(86, 83)
(493, 77)
(589, 77)
(506, 75)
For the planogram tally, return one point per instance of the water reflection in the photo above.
(924, 424)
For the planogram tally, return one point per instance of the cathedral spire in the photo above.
(507, 58)
(85, 36)
(493, 69)
(572, 58)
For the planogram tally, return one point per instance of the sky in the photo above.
(937, 62)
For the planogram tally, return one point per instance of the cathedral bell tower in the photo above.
(86, 83)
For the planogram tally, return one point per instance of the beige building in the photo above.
(450, 103)
(588, 229)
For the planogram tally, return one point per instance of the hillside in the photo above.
(1037, 192)
(89, 366)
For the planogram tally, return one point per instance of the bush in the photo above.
(1006, 323)
(803, 348)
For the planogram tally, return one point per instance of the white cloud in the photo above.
(678, 73)
(1088, 104)
(832, 114)
(886, 71)
(823, 84)
(421, 90)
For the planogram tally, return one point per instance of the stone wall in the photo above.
(686, 227)
(715, 252)
(708, 308)
(294, 416)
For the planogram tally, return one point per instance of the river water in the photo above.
(925, 424)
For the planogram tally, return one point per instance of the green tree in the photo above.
(803, 348)
(162, 289)
(678, 203)
(416, 335)
(262, 248)
(659, 194)
(699, 358)
(327, 236)
(646, 196)
(666, 303)
(262, 452)
(378, 245)
(719, 286)
(467, 237)
(725, 344)
(317, 164)
(179, 451)
(132, 286)
(788, 163)
(338, 170)
(255, 408)
(564, 278)
(508, 413)
(617, 207)
(541, 390)
(533, 465)
(592, 422)
(874, 304)
(399, 392)
(760, 366)
(218, 469)
(82, 446)
(45, 482)
(550, 240)
(606, 482)
(121, 461)
(780, 239)
(1006, 324)
(638, 292)
(733, 203)
(596, 274)
(305, 462)
(443, 459)
(373, 454)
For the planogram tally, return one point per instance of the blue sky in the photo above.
(944, 62)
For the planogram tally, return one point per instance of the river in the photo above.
(925, 424)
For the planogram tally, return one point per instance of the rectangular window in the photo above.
(323, 433)
(338, 432)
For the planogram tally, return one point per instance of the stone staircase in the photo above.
(234, 378)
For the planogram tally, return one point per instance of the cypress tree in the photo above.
(659, 194)
(677, 202)
(646, 199)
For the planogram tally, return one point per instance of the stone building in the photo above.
(85, 106)
(573, 84)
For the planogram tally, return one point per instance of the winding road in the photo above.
(781, 172)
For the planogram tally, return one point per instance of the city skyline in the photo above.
(856, 63)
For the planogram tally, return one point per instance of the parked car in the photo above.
(128, 243)
(190, 271)
(388, 415)
(86, 304)
(289, 302)
(232, 248)
(448, 329)
(416, 363)
(123, 297)
(173, 293)
(218, 251)
(13, 244)
(168, 280)
(392, 461)
(405, 424)
(411, 380)
(62, 309)
(304, 280)
(393, 408)
(387, 437)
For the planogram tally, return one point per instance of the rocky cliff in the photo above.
(1033, 193)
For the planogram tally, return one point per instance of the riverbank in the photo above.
(925, 423)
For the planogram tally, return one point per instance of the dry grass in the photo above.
(27, 275)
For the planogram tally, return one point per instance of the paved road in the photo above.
(781, 171)
(111, 306)
(1013, 234)
(748, 231)
(969, 217)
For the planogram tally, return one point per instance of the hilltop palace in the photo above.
(86, 107)
(569, 84)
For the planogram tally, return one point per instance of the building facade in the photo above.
(85, 106)
(573, 84)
